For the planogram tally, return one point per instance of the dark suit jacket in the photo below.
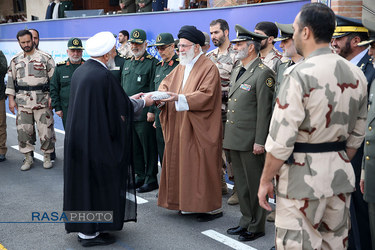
(50, 10)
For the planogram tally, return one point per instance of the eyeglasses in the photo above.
(183, 46)
(162, 48)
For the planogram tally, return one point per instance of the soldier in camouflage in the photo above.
(270, 56)
(28, 91)
(317, 125)
(224, 59)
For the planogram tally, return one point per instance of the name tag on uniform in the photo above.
(116, 68)
(246, 87)
(65, 77)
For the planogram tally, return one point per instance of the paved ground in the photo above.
(40, 190)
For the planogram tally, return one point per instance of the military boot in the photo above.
(27, 162)
(47, 161)
(233, 200)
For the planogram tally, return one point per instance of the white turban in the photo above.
(100, 44)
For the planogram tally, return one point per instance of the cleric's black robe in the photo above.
(98, 171)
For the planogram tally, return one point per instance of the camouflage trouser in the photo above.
(26, 133)
(312, 224)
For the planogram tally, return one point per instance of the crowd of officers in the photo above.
(36, 86)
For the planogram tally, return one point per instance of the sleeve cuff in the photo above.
(181, 104)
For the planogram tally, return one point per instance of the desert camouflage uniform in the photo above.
(225, 64)
(273, 59)
(322, 99)
(34, 70)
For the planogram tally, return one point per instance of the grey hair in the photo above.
(256, 45)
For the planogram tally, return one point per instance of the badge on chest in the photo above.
(246, 87)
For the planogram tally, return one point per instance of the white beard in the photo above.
(111, 63)
(242, 54)
(188, 57)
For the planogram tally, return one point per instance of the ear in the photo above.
(250, 49)
(306, 33)
(270, 39)
(354, 42)
(226, 32)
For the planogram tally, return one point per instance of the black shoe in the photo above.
(53, 155)
(249, 236)
(139, 183)
(148, 187)
(102, 239)
(2, 157)
(208, 217)
(236, 230)
(273, 248)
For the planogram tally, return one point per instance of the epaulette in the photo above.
(44, 53)
(262, 66)
(149, 57)
(177, 59)
(17, 55)
(61, 63)
(121, 55)
(129, 57)
(160, 62)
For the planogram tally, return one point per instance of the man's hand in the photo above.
(12, 104)
(264, 189)
(122, 5)
(173, 97)
(258, 149)
(362, 186)
(49, 103)
(154, 124)
(137, 96)
(59, 113)
(150, 117)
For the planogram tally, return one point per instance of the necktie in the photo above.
(240, 73)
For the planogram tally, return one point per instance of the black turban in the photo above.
(192, 34)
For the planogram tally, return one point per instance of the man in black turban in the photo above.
(190, 179)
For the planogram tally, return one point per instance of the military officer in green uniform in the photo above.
(246, 129)
(138, 76)
(60, 82)
(367, 182)
(165, 46)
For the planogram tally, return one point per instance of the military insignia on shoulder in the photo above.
(160, 62)
(149, 57)
(61, 63)
(270, 82)
(178, 59)
(261, 65)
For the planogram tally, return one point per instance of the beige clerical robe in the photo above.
(190, 177)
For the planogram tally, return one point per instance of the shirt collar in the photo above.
(355, 60)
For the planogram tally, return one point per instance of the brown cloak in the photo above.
(190, 177)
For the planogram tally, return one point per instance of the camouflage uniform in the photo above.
(313, 191)
(125, 50)
(30, 71)
(273, 59)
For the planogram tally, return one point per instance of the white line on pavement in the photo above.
(227, 240)
(36, 155)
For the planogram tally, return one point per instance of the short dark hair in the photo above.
(269, 28)
(24, 32)
(223, 24)
(35, 31)
(125, 33)
(363, 36)
(320, 19)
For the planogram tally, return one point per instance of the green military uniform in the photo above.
(248, 117)
(137, 76)
(162, 70)
(63, 6)
(60, 82)
(147, 8)
(119, 62)
(368, 164)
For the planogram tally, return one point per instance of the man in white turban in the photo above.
(98, 170)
